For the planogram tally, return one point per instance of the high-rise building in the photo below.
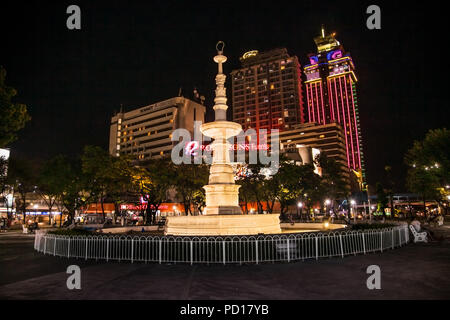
(146, 132)
(327, 138)
(267, 92)
(331, 95)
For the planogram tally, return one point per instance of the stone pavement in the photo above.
(415, 271)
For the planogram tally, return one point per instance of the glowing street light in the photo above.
(299, 207)
(353, 203)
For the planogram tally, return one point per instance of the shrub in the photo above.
(371, 226)
(71, 232)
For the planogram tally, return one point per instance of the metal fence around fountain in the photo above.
(223, 250)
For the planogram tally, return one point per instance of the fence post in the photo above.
(107, 249)
(317, 248)
(364, 242)
(342, 247)
(54, 246)
(45, 245)
(399, 237)
(160, 249)
(256, 248)
(288, 251)
(223, 251)
(86, 248)
(392, 231)
(381, 241)
(68, 249)
(132, 247)
(192, 255)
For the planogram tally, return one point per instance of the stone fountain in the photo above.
(222, 215)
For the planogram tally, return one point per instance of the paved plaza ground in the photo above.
(415, 271)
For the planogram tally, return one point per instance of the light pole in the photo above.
(327, 203)
(353, 202)
(299, 207)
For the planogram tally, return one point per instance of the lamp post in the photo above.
(299, 207)
(353, 202)
(327, 204)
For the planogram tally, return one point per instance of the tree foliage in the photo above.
(13, 116)
(428, 163)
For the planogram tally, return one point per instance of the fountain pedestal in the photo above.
(222, 215)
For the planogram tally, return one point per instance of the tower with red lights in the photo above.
(331, 96)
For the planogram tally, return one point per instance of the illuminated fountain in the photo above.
(222, 215)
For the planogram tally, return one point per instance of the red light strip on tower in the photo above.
(317, 99)
(337, 102)
(321, 96)
(345, 123)
(356, 128)
(308, 101)
(349, 122)
(330, 94)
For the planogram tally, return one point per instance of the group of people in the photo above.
(4, 224)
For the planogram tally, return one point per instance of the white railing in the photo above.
(224, 250)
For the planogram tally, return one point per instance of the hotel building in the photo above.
(266, 91)
(331, 96)
(146, 132)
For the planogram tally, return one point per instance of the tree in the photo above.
(121, 183)
(73, 181)
(13, 116)
(381, 198)
(429, 165)
(390, 190)
(21, 175)
(97, 166)
(51, 183)
(152, 182)
(252, 186)
(334, 182)
(188, 181)
(3, 174)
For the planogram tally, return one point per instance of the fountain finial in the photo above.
(220, 106)
(218, 48)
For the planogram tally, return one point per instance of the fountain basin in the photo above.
(224, 129)
(223, 225)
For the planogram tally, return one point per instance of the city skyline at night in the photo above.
(74, 81)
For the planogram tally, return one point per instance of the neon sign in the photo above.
(336, 54)
(313, 59)
(192, 147)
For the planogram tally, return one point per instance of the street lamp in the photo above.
(327, 203)
(299, 207)
(353, 202)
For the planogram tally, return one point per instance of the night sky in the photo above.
(136, 53)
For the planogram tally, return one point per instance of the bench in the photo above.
(418, 236)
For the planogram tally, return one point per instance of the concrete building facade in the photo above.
(146, 132)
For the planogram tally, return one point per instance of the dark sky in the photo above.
(140, 52)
